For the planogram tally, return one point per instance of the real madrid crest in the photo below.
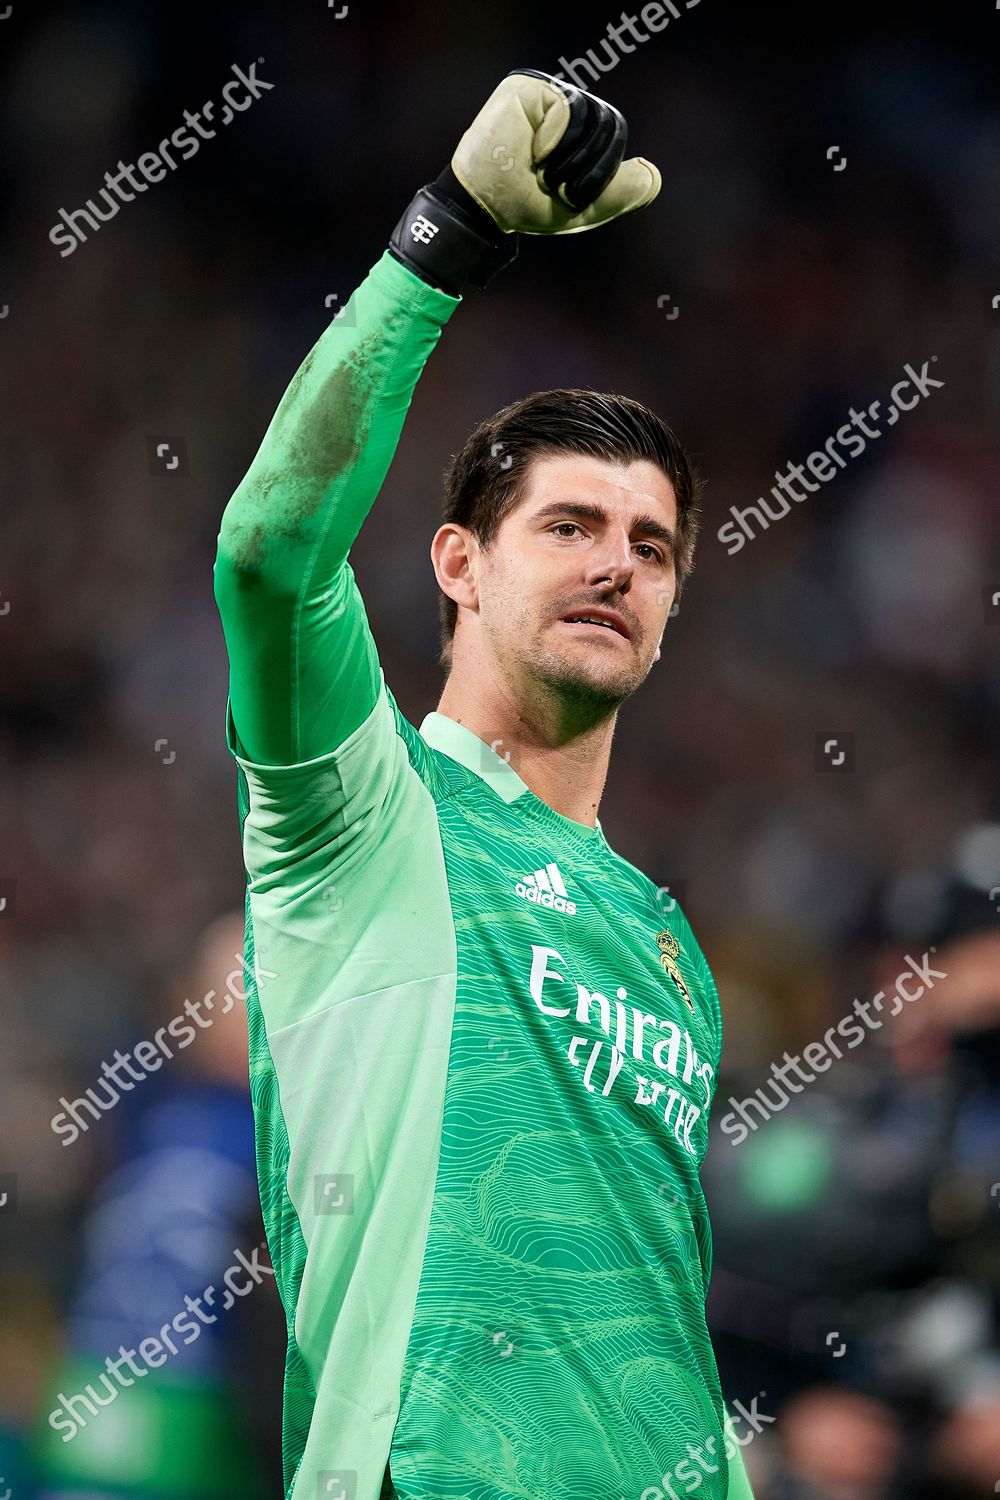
(669, 949)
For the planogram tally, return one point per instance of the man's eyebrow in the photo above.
(589, 510)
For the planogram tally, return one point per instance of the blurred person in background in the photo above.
(165, 1224)
(835, 1445)
(879, 1181)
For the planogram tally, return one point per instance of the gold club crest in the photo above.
(669, 949)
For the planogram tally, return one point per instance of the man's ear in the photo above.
(452, 550)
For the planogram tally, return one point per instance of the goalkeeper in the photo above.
(481, 1057)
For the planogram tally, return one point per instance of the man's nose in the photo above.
(614, 561)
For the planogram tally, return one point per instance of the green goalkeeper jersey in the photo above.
(482, 1049)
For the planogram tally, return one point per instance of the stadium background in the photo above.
(857, 1233)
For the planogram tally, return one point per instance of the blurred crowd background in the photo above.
(768, 291)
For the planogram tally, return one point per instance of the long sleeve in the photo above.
(304, 671)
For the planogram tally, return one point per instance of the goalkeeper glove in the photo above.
(541, 157)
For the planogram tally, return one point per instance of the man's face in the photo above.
(590, 536)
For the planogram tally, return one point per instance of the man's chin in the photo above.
(607, 682)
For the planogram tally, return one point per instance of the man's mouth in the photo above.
(600, 619)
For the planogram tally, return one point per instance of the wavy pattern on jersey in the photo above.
(559, 1329)
(281, 1224)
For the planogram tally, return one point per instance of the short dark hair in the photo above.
(487, 478)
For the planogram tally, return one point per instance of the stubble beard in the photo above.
(575, 676)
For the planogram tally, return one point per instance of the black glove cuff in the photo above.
(447, 239)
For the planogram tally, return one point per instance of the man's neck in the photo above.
(566, 773)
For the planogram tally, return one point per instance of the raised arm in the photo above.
(303, 665)
(304, 669)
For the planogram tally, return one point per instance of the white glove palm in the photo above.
(545, 157)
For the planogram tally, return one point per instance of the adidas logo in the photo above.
(546, 888)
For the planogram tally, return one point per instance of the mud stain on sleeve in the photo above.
(318, 438)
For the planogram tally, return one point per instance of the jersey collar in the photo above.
(464, 745)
